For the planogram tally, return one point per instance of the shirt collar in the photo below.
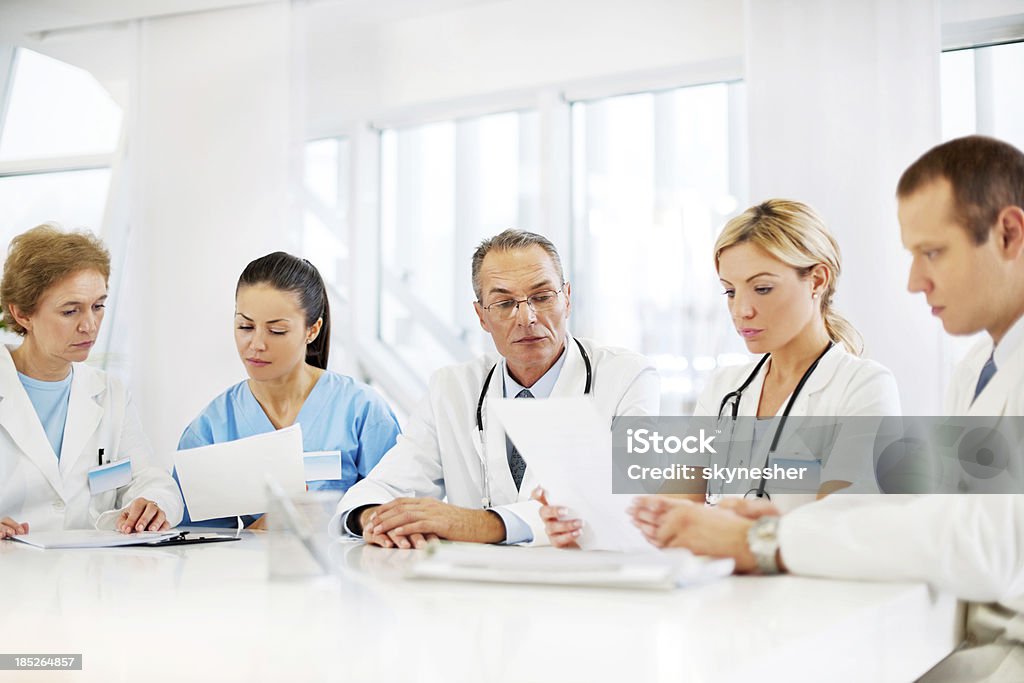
(1010, 345)
(542, 388)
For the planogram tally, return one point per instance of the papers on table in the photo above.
(90, 538)
(230, 479)
(568, 446)
(508, 564)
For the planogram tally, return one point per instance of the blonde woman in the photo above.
(779, 266)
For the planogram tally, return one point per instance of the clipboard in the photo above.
(185, 538)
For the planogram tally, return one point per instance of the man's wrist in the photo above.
(492, 527)
(357, 517)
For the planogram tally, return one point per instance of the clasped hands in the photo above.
(414, 522)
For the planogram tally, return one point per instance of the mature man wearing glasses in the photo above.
(524, 303)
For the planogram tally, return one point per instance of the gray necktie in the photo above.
(987, 373)
(516, 464)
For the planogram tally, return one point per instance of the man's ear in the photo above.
(568, 299)
(1009, 231)
(480, 314)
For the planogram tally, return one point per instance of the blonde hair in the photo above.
(41, 257)
(794, 234)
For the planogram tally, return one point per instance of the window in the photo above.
(325, 224)
(655, 177)
(444, 187)
(57, 136)
(981, 94)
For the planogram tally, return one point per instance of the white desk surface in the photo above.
(209, 612)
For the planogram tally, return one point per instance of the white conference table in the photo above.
(210, 612)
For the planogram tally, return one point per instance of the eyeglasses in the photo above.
(541, 302)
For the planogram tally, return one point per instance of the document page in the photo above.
(505, 564)
(568, 446)
(230, 479)
(90, 538)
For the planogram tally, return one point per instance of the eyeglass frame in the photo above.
(518, 302)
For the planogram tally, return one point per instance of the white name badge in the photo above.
(322, 465)
(110, 476)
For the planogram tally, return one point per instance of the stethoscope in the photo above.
(485, 479)
(737, 395)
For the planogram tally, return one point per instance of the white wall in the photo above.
(210, 157)
(359, 70)
(842, 97)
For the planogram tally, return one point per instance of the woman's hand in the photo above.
(8, 528)
(142, 515)
(561, 532)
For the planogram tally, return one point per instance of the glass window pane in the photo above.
(444, 187)
(75, 199)
(57, 109)
(325, 225)
(958, 99)
(1007, 99)
(655, 177)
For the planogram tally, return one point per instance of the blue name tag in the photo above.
(110, 476)
(322, 465)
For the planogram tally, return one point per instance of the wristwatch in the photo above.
(763, 542)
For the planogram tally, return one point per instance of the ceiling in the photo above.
(33, 17)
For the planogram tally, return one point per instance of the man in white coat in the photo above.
(961, 212)
(448, 451)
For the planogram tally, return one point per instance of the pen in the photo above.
(99, 457)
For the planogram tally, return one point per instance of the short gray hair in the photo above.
(507, 241)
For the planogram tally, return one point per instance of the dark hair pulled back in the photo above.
(288, 273)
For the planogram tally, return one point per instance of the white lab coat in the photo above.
(35, 488)
(843, 385)
(439, 454)
(969, 545)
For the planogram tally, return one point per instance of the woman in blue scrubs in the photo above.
(282, 332)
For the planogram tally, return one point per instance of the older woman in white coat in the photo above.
(72, 451)
(778, 266)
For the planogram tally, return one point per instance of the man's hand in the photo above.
(142, 515)
(8, 528)
(389, 540)
(669, 523)
(413, 522)
(561, 532)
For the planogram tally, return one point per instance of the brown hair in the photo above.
(41, 257)
(987, 175)
(793, 233)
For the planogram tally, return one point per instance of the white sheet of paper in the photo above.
(229, 479)
(503, 564)
(89, 538)
(568, 446)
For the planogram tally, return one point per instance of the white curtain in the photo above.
(842, 97)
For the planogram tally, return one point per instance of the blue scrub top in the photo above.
(340, 414)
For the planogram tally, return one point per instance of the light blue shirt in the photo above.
(340, 414)
(517, 530)
(50, 399)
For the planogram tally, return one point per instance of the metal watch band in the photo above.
(763, 541)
